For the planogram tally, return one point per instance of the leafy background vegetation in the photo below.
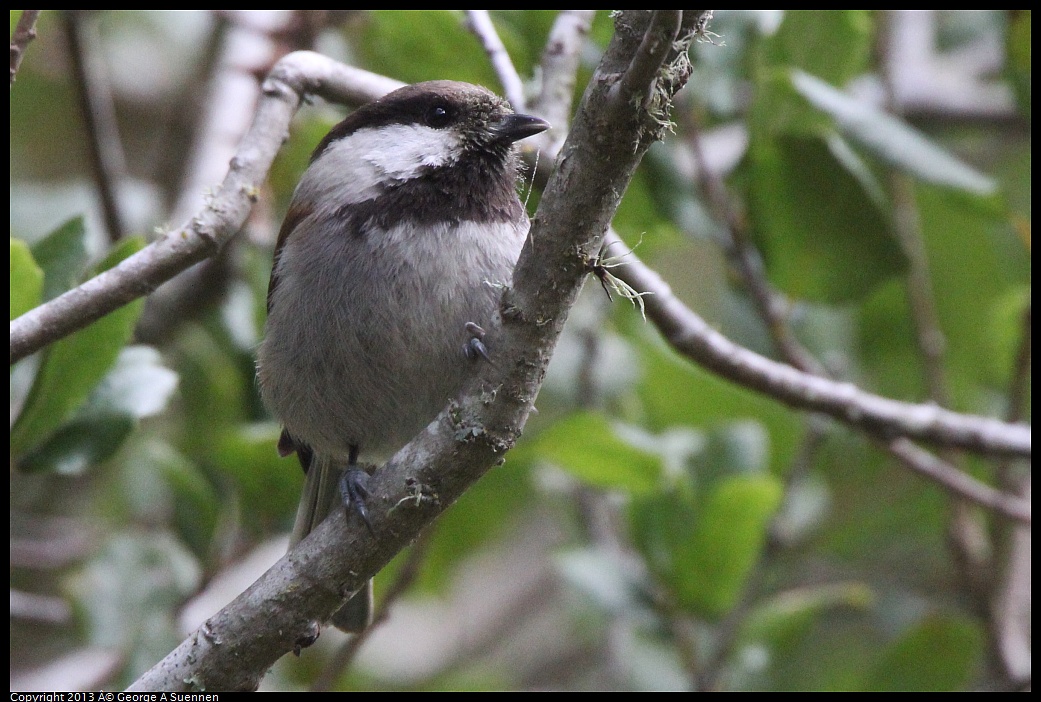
(657, 528)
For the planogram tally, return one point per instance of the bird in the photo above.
(385, 286)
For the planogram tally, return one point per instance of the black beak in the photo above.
(515, 127)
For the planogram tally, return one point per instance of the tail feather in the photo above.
(321, 495)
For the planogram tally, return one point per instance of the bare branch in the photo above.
(928, 333)
(957, 482)
(1011, 603)
(1011, 609)
(640, 77)
(560, 62)
(293, 77)
(480, 23)
(214, 113)
(97, 106)
(772, 306)
(24, 32)
(692, 336)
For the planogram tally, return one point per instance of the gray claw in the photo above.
(475, 348)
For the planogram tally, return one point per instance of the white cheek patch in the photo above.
(357, 167)
(399, 151)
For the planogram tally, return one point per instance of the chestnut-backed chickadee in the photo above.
(386, 283)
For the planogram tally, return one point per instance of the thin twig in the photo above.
(1010, 614)
(24, 32)
(959, 483)
(1011, 601)
(187, 111)
(689, 334)
(107, 160)
(559, 70)
(928, 334)
(183, 170)
(480, 23)
(242, 47)
(971, 547)
(773, 308)
(642, 74)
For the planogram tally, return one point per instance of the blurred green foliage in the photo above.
(743, 546)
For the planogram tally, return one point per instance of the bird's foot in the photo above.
(354, 491)
(475, 348)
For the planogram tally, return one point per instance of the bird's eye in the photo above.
(439, 115)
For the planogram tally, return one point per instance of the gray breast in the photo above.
(365, 334)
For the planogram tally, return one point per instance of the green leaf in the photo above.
(1005, 329)
(79, 444)
(1018, 46)
(704, 552)
(73, 366)
(587, 446)
(822, 233)
(833, 44)
(138, 386)
(975, 261)
(786, 617)
(779, 644)
(198, 505)
(128, 594)
(26, 279)
(449, 51)
(887, 342)
(268, 483)
(938, 655)
(663, 525)
(740, 447)
(778, 109)
(675, 392)
(63, 256)
(151, 477)
(485, 513)
(730, 534)
(890, 139)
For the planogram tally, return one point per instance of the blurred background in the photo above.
(846, 191)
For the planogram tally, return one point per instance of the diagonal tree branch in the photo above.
(480, 23)
(692, 336)
(24, 32)
(654, 49)
(559, 72)
(98, 109)
(560, 65)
